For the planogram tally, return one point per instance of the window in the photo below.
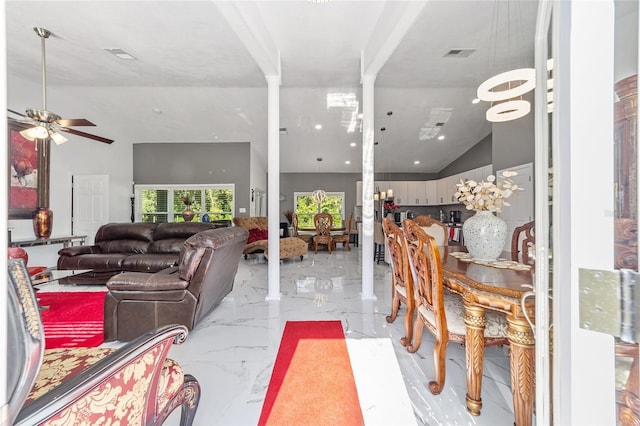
(306, 207)
(164, 203)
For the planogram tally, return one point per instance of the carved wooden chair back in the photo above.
(345, 236)
(323, 223)
(425, 260)
(523, 241)
(401, 280)
(435, 229)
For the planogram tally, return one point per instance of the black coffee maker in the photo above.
(455, 216)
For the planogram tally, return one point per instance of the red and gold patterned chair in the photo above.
(134, 385)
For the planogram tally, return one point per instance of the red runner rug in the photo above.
(72, 319)
(312, 382)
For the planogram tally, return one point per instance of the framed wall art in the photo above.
(28, 173)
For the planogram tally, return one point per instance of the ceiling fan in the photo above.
(46, 124)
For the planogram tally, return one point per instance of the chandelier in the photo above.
(319, 195)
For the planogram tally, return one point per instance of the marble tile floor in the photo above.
(232, 351)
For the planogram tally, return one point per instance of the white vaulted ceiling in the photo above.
(195, 66)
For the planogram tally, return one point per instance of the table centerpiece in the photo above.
(485, 233)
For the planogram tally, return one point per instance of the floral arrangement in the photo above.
(390, 205)
(487, 195)
(187, 198)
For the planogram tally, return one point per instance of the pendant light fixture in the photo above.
(505, 90)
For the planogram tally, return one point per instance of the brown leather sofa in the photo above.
(137, 302)
(122, 247)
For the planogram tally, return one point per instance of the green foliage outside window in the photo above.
(217, 202)
(307, 207)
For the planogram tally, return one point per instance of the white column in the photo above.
(367, 186)
(273, 184)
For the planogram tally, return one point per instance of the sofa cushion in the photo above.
(179, 230)
(141, 231)
(169, 245)
(123, 246)
(96, 262)
(149, 262)
(257, 234)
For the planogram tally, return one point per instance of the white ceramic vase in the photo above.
(484, 235)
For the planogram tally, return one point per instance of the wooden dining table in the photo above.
(486, 287)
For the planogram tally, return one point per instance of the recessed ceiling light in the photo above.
(347, 162)
(416, 162)
(475, 101)
(441, 137)
(157, 110)
(353, 144)
(318, 126)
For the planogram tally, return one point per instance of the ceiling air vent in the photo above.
(459, 53)
(284, 131)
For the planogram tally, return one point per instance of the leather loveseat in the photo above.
(121, 247)
(137, 302)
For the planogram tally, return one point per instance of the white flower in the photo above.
(487, 196)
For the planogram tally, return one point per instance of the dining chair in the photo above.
(345, 236)
(401, 280)
(323, 223)
(440, 310)
(378, 242)
(435, 229)
(307, 238)
(523, 240)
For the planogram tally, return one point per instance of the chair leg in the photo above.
(395, 305)
(418, 326)
(439, 359)
(192, 398)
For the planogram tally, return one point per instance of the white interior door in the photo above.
(90, 204)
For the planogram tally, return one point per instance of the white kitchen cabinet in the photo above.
(400, 193)
(416, 193)
(431, 192)
(359, 193)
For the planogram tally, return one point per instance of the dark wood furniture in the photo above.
(522, 240)
(487, 288)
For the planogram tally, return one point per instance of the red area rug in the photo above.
(72, 319)
(312, 382)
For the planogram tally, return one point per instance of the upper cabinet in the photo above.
(429, 192)
(401, 194)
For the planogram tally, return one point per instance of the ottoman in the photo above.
(290, 247)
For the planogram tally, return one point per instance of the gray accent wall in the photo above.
(479, 155)
(514, 141)
(195, 163)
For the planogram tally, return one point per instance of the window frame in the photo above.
(342, 213)
(171, 188)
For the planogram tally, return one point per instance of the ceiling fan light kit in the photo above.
(46, 124)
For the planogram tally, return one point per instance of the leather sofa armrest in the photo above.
(78, 250)
(165, 280)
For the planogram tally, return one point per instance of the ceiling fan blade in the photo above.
(16, 113)
(86, 135)
(74, 122)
